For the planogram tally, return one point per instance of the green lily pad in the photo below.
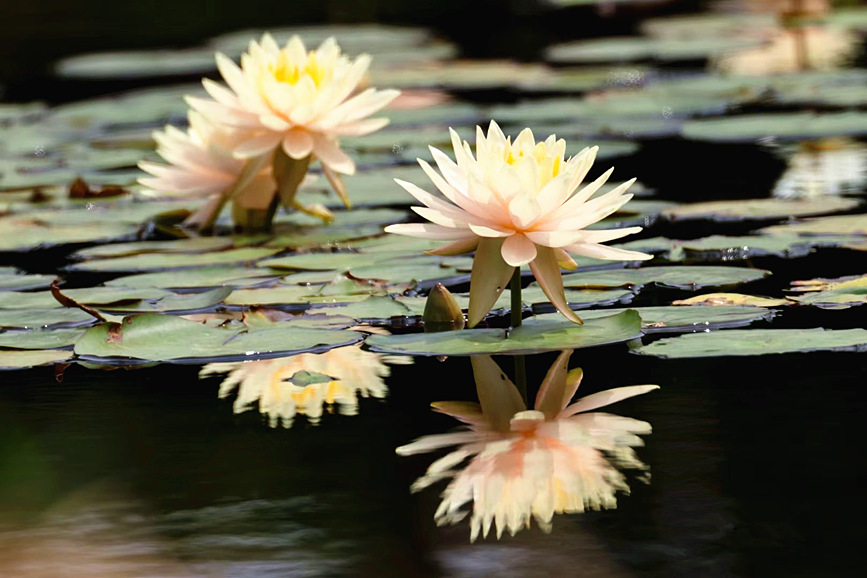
(304, 378)
(313, 237)
(22, 233)
(677, 277)
(636, 48)
(832, 293)
(173, 302)
(533, 336)
(137, 64)
(376, 308)
(723, 248)
(37, 318)
(756, 342)
(165, 261)
(837, 225)
(787, 126)
(759, 209)
(40, 338)
(155, 337)
(20, 282)
(199, 245)
(673, 319)
(30, 358)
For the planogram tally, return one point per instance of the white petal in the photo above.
(607, 253)
(329, 153)
(606, 397)
(555, 239)
(426, 231)
(524, 210)
(483, 231)
(258, 145)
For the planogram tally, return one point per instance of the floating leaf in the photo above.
(155, 337)
(757, 342)
(679, 277)
(40, 338)
(164, 261)
(832, 293)
(728, 299)
(671, 319)
(759, 209)
(837, 225)
(198, 278)
(174, 302)
(18, 282)
(304, 378)
(137, 64)
(631, 49)
(790, 126)
(24, 359)
(21, 233)
(199, 245)
(534, 335)
(36, 318)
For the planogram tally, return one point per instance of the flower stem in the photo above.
(517, 313)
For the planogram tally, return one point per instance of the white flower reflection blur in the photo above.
(829, 166)
(524, 464)
(266, 384)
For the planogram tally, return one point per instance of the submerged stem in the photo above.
(517, 314)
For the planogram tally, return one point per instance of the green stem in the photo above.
(517, 314)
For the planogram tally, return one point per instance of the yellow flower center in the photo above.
(284, 70)
(548, 163)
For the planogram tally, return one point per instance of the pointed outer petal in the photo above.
(489, 277)
(425, 197)
(451, 219)
(524, 210)
(463, 157)
(426, 231)
(483, 231)
(586, 215)
(565, 260)
(220, 93)
(551, 398)
(447, 462)
(450, 171)
(498, 396)
(459, 247)
(481, 212)
(602, 236)
(348, 83)
(611, 197)
(481, 194)
(604, 252)
(582, 167)
(604, 398)
(547, 274)
(358, 127)
(525, 140)
(329, 153)
(581, 196)
(466, 411)
(518, 250)
(573, 380)
(298, 144)
(274, 122)
(295, 49)
(257, 145)
(555, 239)
(235, 78)
(496, 133)
(337, 184)
(435, 442)
(362, 105)
(217, 113)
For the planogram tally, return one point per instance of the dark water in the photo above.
(757, 469)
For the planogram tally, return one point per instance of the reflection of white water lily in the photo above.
(355, 372)
(826, 167)
(793, 50)
(525, 464)
(300, 100)
(515, 203)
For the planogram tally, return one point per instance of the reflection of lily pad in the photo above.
(24, 359)
(690, 278)
(156, 337)
(758, 209)
(757, 342)
(534, 335)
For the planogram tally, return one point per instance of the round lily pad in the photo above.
(677, 277)
(19, 282)
(533, 336)
(165, 261)
(636, 48)
(198, 278)
(759, 209)
(14, 359)
(37, 318)
(40, 338)
(672, 319)
(786, 126)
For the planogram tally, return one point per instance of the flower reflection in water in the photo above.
(266, 383)
(830, 166)
(524, 464)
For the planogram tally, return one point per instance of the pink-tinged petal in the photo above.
(607, 253)
(518, 250)
(329, 153)
(490, 232)
(578, 199)
(233, 76)
(489, 277)
(555, 239)
(426, 198)
(258, 145)
(548, 276)
(605, 235)
(274, 122)
(450, 171)
(426, 231)
(551, 398)
(220, 93)
(359, 127)
(506, 185)
(565, 260)
(451, 219)
(587, 216)
(459, 247)
(435, 442)
(604, 398)
(298, 144)
(524, 210)
(480, 193)
(363, 105)
(498, 396)
(217, 113)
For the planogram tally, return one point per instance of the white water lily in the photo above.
(514, 203)
(302, 101)
(523, 465)
(265, 383)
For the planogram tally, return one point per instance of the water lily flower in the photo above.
(296, 102)
(514, 203)
(268, 383)
(531, 464)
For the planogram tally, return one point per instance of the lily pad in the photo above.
(759, 209)
(671, 319)
(137, 64)
(155, 337)
(730, 299)
(199, 245)
(677, 277)
(787, 126)
(40, 338)
(832, 293)
(19, 282)
(198, 278)
(636, 48)
(837, 225)
(174, 302)
(165, 261)
(736, 342)
(37, 318)
(533, 336)
(30, 358)
(22, 233)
